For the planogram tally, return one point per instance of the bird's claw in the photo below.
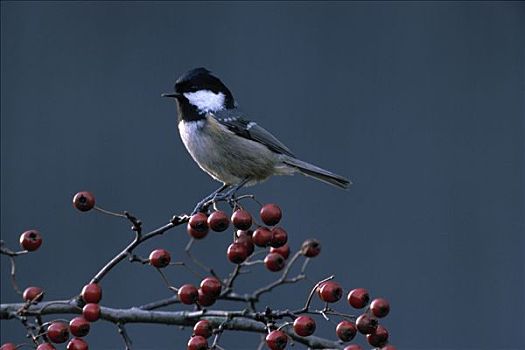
(203, 206)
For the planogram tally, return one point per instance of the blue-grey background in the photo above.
(420, 104)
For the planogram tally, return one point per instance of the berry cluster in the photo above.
(249, 234)
(245, 238)
(58, 332)
(367, 323)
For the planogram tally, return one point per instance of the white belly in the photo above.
(225, 156)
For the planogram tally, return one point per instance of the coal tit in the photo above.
(227, 145)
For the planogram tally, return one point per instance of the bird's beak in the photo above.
(171, 94)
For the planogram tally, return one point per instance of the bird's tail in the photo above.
(317, 173)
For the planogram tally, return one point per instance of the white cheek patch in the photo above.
(206, 100)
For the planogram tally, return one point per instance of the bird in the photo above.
(228, 145)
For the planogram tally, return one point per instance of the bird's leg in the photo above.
(202, 204)
(229, 195)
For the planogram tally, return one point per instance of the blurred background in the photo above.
(420, 104)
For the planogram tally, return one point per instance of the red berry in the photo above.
(283, 250)
(91, 312)
(270, 214)
(218, 221)
(346, 330)
(241, 219)
(304, 326)
(43, 346)
(77, 344)
(274, 262)
(8, 346)
(188, 294)
(203, 328)
(199, 222)
(159, 258)
(91, 293)
(198, 226)
(262, 237)
(358, 298)
(389, 347)
(279, 237)
(378, 337)
(237, 253)
(353, 347)
(245, 237)
(276, 340)
(34, 294)
(311, 248)
(84, 201)
(205, 299)
(197, 343)
(380, 307)
(195, 233)
(330, 292)
(211, 286)
(365, 324)
(30, 240)
(58, 332)
(79, 326)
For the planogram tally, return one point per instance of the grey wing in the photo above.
(234, 121)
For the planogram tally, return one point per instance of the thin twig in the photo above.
(232, 277)
(6, 251)
(176, 221)
(109, 212)
(218, 334)
(197, 262)
(253, 262)
(125, 336)
(30, 330)
(136, 223)
(282, 280)
(13, 275)
(136, 258)
(310, 296)
(262, 343)
(165, 279)
(40, 324)
(286, 324)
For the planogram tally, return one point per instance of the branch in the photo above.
(12, 254)
(176, 221)
(282, 280)
(230, 320)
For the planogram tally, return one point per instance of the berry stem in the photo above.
(165, 280)
(176, 221)
(310, 296)
(253, 262)
(197, 262)
(108, 212)
(284, 325)
(282, 280)
(13, 275)
(125, 336)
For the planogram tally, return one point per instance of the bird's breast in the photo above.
(224, 155)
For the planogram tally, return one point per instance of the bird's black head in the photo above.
(202, 79)
(198, 92)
